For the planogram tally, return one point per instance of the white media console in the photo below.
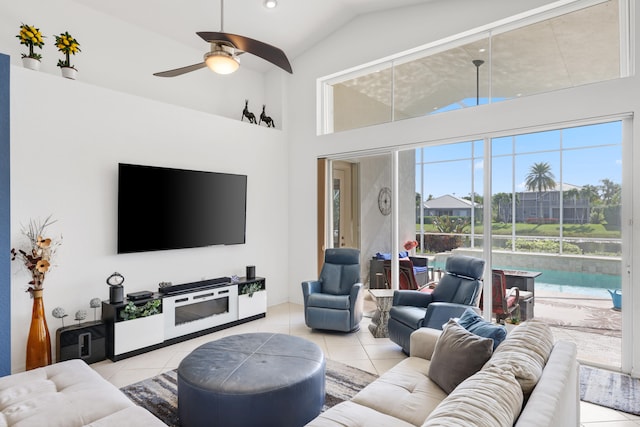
(186, 311)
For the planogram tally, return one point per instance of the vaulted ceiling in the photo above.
(293, 26)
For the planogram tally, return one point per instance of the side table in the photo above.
(379, 322)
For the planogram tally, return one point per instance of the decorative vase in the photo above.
(39, 341)
(31, 63)
(69, 72)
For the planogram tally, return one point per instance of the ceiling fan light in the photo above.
(222, 62)
(270, 4)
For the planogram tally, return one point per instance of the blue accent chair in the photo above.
(334, 301)
(458, 289)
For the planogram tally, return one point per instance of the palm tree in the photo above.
(573, 193)
(540, 178)
(610, 192)
(592, 194)
(502, 205)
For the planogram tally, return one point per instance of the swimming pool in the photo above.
(591, 284)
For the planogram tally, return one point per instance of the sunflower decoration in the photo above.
(31, 37)
(67, 45)
(38, 256)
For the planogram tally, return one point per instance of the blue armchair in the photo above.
(334, 301)
(458, 289)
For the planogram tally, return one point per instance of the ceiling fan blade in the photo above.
(263, 50)
(180, 71)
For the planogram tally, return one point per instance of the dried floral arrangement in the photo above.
(37, 257)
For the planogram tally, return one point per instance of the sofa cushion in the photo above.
(133, 416)
(458, 354)
(404, 392)
(489, 398)
(69, 394)
(349, 413)
(474, 323)
(524, 352)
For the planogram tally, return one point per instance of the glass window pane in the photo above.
(452, 208)
(539, 141)
(362, 101)
(601, 134)
(447, 152)
(557, 53)
(500, 146)
(444, 81)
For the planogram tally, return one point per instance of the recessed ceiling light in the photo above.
(270, 4)
(482, 50)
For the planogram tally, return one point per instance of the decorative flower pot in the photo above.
(31, 63)
(39, 341)
(69, 72)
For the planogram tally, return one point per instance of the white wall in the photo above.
(377, 35)
(366, 38)
(119, 56)
(67, 138)
(375, 234)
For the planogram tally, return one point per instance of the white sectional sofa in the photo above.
(67, 394)
(528, 381)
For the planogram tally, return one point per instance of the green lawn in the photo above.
(549, 230)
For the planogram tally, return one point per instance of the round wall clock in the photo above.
(384, 200)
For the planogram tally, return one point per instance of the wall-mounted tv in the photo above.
(162, 208)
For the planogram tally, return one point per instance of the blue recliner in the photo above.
(334, 301)
(458, 289)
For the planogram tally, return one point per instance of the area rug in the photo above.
(159, 395)
(610, 389)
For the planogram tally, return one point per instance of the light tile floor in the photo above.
(359, 349)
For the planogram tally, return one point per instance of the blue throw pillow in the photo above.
(474, 323)
(387, 256)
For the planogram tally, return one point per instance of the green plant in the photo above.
(31, 36)
(250, 289)
(132, 311)
(514, 319)
(447, 224)
(544, 246)
(67, 45)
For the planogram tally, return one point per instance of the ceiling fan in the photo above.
(225, 48)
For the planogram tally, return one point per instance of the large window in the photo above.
(544, 52)
(555, 212)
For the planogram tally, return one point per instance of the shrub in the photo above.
(544, 246)
(439, 243)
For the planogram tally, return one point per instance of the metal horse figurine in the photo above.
(248, 114)
(266, 119)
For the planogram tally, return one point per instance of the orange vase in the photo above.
(39, 341)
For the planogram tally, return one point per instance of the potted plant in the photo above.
(511, 322)
(69, 46)
(31, 37)
(252, 299)
(250, 289)
(132, 311)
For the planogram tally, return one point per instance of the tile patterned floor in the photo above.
(359, 349)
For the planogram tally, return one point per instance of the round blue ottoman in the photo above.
(251, 380)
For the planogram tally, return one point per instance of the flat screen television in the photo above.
(163, 208)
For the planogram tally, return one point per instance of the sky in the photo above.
(578, 156)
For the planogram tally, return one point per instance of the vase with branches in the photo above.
(37, 259)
